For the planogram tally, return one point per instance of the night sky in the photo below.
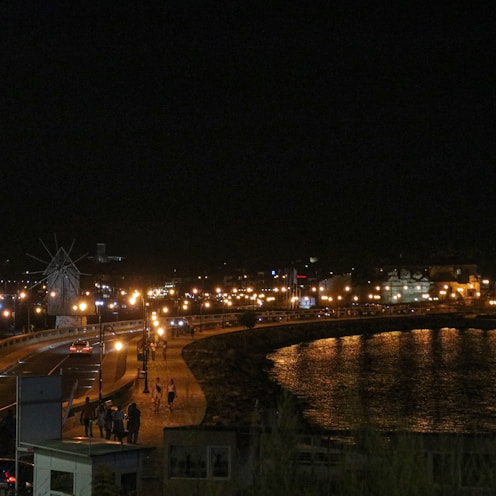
(185, 134)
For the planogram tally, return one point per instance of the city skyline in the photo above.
(207, 133)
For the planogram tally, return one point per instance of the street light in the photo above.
(13, 313)
(205, 304)
(23, 295)
(132, 300)
(98, 305)
(38, 310)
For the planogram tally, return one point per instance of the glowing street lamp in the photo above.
(133, 301)
(99, 305)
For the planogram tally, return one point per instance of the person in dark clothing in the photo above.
(171, 394)
(133, 423)
(108, 423)
(118, 424)
(87, 417)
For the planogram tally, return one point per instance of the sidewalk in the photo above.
(189, 406)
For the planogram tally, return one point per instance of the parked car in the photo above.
(81, 348)
(8, 476)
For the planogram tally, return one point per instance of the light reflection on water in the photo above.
(422, 380)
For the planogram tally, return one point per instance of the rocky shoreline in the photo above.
(234, 372)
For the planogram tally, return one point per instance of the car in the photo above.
(109, 329)
(81, 348)
(8, 479)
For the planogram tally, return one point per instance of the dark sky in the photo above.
(187, 133)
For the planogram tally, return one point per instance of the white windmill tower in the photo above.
(62, 278)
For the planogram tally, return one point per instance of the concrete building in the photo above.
(78, 466)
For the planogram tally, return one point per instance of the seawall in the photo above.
(233, 369)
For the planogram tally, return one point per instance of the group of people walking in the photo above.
(111, 421)
(153, 347)
(157, 393)
(114, 423)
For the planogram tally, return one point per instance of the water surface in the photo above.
(423, 380)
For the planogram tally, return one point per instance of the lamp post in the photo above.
(203, 304)
(98, 305)
(144, 354)
(145, 345)
(24, 296)
(221, 296)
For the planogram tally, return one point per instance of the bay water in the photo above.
(423, 380)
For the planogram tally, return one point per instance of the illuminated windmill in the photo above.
(62, 278)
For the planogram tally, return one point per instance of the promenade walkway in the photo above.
(189, 406)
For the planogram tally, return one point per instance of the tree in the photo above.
(248, 319)
(104, 483)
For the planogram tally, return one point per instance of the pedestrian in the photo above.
(100, 419)
(133, 423)
(157, 395)
(164, 351)
(153, 349)
(108, 423)
(87, 416)
(171, 394)
(118, 424)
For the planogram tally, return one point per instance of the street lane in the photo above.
(79, 370)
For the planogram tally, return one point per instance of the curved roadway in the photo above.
(79, 372)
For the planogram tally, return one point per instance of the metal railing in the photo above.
(207, 320)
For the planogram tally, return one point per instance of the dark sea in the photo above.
(423, 380)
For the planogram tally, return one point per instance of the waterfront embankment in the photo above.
(233, 370)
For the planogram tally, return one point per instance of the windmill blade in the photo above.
(33, 272)
(80, 258)
(39, 282)
(37, 259)
(54, 281)
(67, 259)
(60, 275)
(71, 264)
(72, 246)
(45, 246)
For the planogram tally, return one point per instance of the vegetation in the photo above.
(248, 319)
(104, 483)
(275, 470)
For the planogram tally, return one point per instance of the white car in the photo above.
(81, 348)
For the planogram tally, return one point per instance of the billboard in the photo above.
(39, 408)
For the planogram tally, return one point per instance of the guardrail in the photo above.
(63, 333)
(204, 320)
(207, 320)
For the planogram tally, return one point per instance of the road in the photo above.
(81, 371)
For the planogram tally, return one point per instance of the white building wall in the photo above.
(42, 475)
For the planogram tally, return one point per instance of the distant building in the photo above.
(460, 284)
(405, 286)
